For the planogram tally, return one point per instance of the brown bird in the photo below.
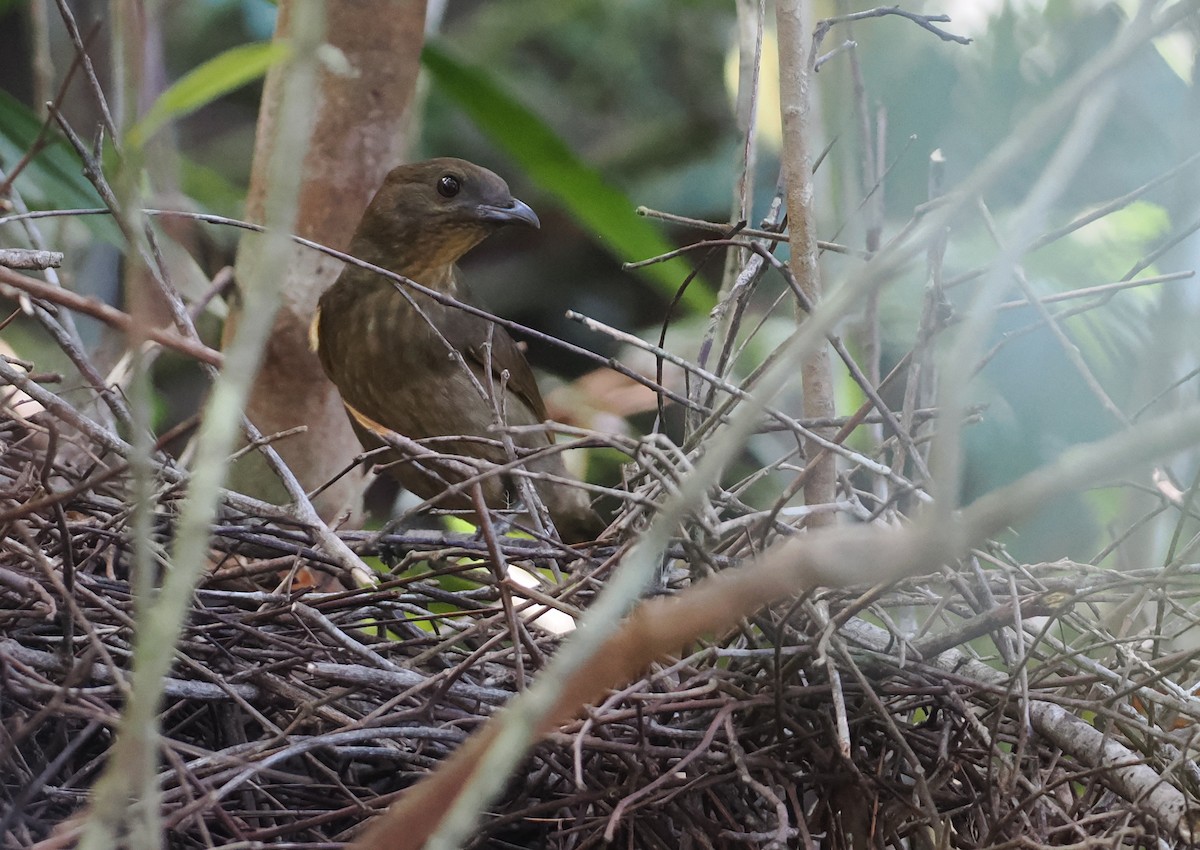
(391, 353)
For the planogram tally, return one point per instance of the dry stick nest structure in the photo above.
(291, 716)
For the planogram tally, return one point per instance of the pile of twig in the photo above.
(292, 715)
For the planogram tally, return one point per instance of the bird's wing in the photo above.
(469, 334)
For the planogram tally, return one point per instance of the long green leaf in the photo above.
(597, 205)
(202, 85)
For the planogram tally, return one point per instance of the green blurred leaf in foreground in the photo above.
(217, 77)
(599, 207)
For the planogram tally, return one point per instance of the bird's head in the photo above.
(426, 215)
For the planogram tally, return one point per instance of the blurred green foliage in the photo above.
(213, 79)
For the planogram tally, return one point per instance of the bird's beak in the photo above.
(517, 212)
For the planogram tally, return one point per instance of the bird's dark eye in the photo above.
(448, 186)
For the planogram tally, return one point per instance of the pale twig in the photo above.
(1115, 204)
(29, 259)
(925, 22)
(1125, 769)
(865, 384)
(1082, 221)
(1100, 289)
(749, 232)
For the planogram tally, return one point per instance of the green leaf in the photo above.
(598, 206)
(215, 78)
(54, 178)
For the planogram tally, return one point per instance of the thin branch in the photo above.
(925, 22)
(750, 232)
(30, 260)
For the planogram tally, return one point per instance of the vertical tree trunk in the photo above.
(361, 131)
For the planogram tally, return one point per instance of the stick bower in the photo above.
(293, 716)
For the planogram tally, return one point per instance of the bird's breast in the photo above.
(390, 362)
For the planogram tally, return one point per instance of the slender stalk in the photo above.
(795, 96)
(116, 797)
